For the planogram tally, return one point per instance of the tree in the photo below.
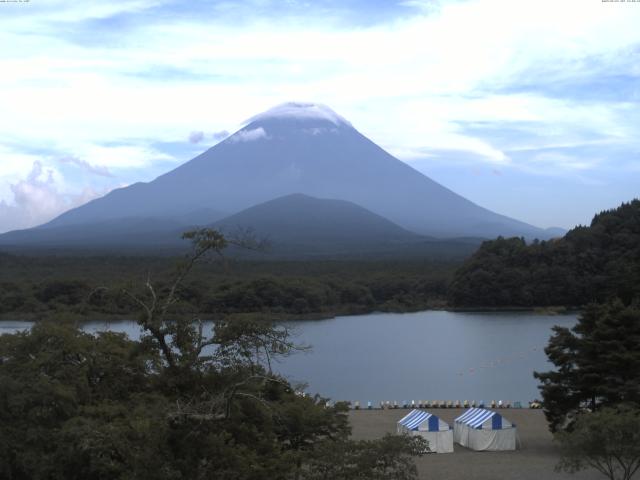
(386, 458)
(607, 440)
(179, 403)
(71, 403)
(594, 263)
(597, 363)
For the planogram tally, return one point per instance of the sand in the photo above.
(534, 461)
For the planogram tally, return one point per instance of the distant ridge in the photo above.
(113, 233)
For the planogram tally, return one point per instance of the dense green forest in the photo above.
(180, 403)
(37, 287)
(589, 264)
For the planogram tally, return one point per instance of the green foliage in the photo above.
(388, 457)
(68, 292)
(589, 264)
(607, 440)
(78, 406)
(43, 287)
(597, 362)
(50, 379)
(180, 403)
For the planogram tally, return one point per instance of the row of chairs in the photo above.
(386, 405)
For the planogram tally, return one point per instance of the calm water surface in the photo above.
(432, 355)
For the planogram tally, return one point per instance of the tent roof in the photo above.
(417, 417)
(476, 417)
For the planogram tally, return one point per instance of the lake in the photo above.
(431, 355)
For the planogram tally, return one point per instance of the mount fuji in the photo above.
(294, 148)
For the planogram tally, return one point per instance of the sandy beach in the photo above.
(534, 461)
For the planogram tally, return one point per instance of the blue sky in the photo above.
(528, 108)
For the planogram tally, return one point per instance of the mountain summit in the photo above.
(301, 111)
(302, 148)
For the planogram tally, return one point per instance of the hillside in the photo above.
(589, 264)
(294, 227)
(302, 223)
(121, 234)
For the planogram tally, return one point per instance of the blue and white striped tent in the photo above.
(482, 429)
(437, 432)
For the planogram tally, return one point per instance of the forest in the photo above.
(37, 287)
(589, 264)
(180, 403)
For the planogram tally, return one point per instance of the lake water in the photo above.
(431, 355)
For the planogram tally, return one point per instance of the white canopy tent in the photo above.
(437, 432)
(481, 429)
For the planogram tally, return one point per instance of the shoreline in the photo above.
(288, 317)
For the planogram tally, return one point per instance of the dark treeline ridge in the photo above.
(589, 264)
(36, 287)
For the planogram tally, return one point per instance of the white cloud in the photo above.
(15, 164)
(37, 199)
(455, 50)
(99, 170)
(122, 156)
(220, 135)
(196, 136)
(301, 110)
(319, 130)
(409, 84)
(60, 10)
(248, 135)
(555, 162)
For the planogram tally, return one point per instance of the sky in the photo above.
(528, 108)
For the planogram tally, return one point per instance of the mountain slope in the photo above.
(299, 220)
(295, 226)
(126, 232)
(302, 148)
(300, 226)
